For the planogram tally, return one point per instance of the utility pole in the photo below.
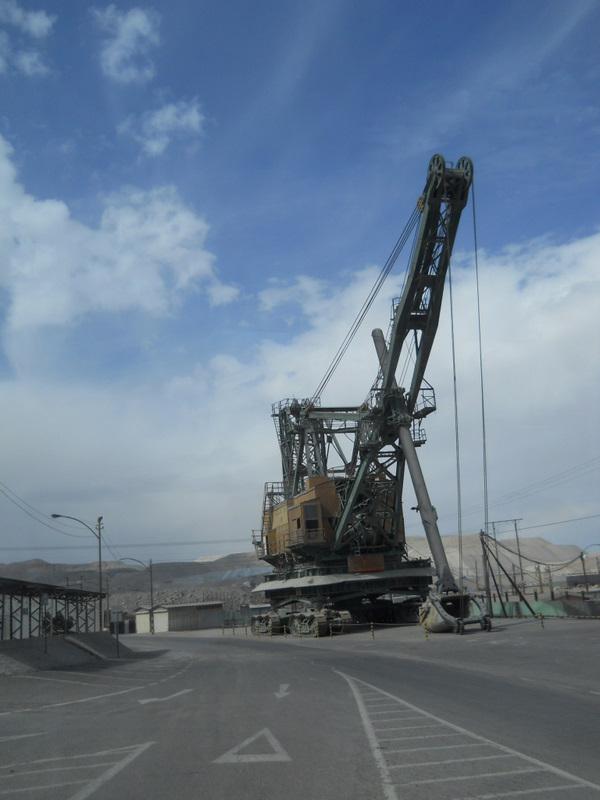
(538, 569)
(550, 584)
(585, 578)
(151, 598)
(99, 534)
(500, 587)
(97, 531)
(477, 576)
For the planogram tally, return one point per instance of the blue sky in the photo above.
(187, 186)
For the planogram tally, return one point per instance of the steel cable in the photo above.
(385, 271)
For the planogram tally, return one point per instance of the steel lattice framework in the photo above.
(366, 448)
(27, 608)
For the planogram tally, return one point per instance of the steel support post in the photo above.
(519, 551)
(35, 615)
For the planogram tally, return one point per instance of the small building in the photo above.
(181, 617)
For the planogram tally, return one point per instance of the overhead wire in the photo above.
(559, 522)
(127, 545)
(559, 564)
(550, 481)
(25, 507)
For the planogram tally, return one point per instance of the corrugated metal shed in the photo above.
(181, 617)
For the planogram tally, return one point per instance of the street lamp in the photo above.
(98, 534)
(147, 566)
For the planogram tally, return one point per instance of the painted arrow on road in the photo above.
(283, 691)
(163, 699)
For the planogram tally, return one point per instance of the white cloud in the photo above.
(155, 130)
(37, 24)
(304, 291)
(147, 249)
(130, 36)
(4, 52)
(30, 63)
(21, 57)
(186, 456)
(542, 371)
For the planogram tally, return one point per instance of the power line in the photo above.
(26, 510)
(128, 545)
(559, 564)
(546, 524)
(559, 522)
(550, 481)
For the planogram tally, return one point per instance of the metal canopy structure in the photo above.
(28, 609)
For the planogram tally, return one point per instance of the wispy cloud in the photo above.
(16, 51)
(34, 23)
(305, 292)
(155, 130)
(30, 62)
(497, 77)
(129, 38)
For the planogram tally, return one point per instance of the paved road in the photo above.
(514, 713)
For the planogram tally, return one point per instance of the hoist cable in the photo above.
(486, 511)
(385, 271)
(456, 438)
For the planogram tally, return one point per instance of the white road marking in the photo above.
(112, 751)
(519, 792)
(70, 702)
(474, 777)
(163, 699)
(434, 747)
(384, 772)
(116, 759)
(37, 788)
(234, 756)
(57, 769)
(93, 697)
(110, 773)
(63, 680)
(531, 766)
(395, 713)
(406, 728)
(283, 691)
(411, 738)
(445, 761)
(21, 736)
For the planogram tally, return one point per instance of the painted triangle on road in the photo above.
(236, 756)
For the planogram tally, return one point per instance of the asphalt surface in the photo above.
(511, 713)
